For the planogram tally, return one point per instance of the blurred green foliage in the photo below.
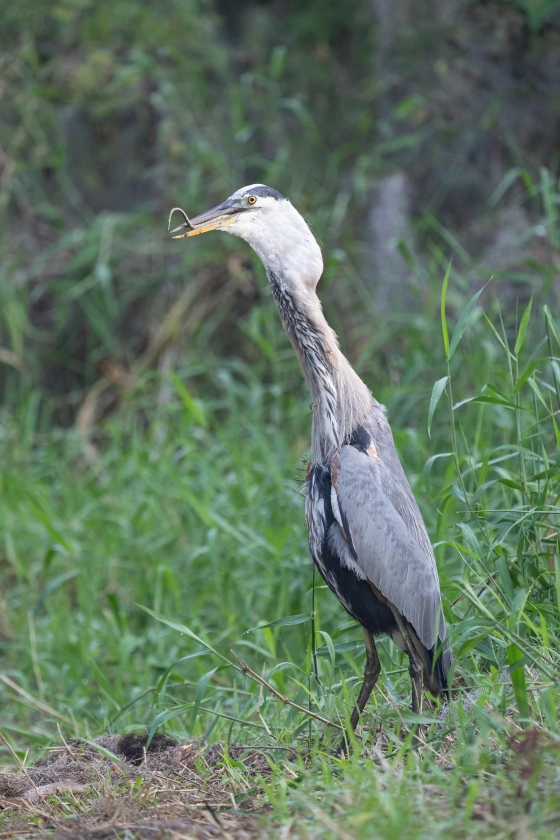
(539, 13)
(113, 114)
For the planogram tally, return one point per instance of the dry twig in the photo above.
(246, 670)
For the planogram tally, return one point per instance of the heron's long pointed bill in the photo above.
(218, 217)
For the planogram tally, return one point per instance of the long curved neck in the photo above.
(340, 400)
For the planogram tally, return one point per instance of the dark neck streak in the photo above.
(316, 356)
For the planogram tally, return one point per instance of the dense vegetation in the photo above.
(154, 423)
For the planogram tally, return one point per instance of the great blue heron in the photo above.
(366, 533)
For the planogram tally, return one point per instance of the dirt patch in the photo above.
(114, 787)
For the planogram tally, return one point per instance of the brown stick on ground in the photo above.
(246, 670)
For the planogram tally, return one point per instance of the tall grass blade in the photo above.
(463, 322)
(444, 330)
(551, 324)
(192, 407)
(521, 380)
(437, 391)
(287, 621)
(185, 631)
(523, 327)
(517, 672)
(201, 687)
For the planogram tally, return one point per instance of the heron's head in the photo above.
(271, 226)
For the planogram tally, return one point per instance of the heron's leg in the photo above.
(416, 667)
(416, 672)
(371, 675)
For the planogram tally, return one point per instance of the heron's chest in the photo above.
(318, 509)
(321, 488)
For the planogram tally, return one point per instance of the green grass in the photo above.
(189, 509)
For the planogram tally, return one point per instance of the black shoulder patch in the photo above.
(360, 439)
(265, 192)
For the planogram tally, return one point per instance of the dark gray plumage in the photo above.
(366, 533)
(390, 544)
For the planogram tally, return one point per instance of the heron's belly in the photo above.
(355, 594)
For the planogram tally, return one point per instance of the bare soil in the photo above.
(113, 787)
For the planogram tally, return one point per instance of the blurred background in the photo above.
(153, 420)
(402, 131)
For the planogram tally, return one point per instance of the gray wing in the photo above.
(374, 506)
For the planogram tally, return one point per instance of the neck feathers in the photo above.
(340, 400)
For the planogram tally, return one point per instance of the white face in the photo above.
(258, 215)
(273, 228)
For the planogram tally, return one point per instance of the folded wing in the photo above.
(379, 518)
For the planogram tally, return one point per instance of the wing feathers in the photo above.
(385, 532)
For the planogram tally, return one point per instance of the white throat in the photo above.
(294, 264)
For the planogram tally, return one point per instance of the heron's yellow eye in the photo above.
(252, 199)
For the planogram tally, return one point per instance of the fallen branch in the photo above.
(246, 670)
